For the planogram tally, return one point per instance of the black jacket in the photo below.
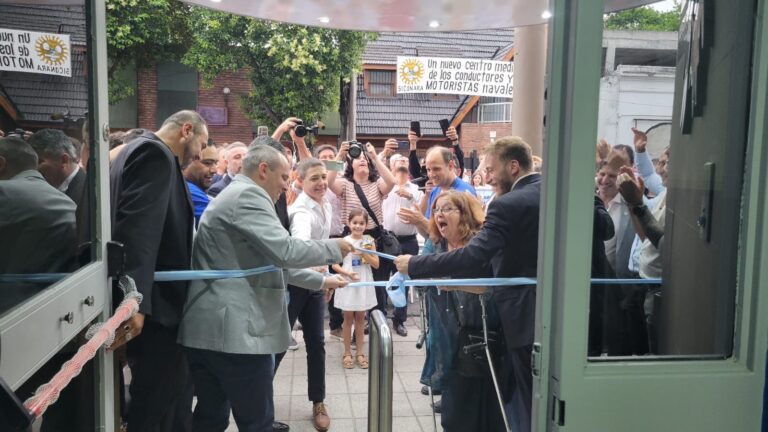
(152, 216)
(508, 241)
(79, 191)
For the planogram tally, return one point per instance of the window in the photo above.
(380, 82)
(176, 89)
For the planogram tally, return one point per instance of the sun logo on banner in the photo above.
(51, 50)
(412, 71)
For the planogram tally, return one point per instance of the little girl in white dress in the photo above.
(355, 302)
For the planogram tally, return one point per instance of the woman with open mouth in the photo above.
(469, 399)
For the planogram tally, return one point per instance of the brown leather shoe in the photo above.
(320, 419)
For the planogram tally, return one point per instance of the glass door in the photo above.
(54, 189)
(675, 344)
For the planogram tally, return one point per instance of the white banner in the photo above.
(473, 77)
(28, 51)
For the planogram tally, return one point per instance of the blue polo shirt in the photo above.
(199, 200)
(458, 184)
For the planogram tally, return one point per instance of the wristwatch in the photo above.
(639, 209)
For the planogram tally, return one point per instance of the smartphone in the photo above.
(403, 145)
(262, 131)
(334, 165)
(444, 125)
(416, 128)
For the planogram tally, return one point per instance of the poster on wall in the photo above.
(33, 52)
(440, 75)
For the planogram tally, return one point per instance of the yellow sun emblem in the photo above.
(411, 71)
(51, 50)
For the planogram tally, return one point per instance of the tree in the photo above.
(295, 70)
(645, 18)
(142, 32)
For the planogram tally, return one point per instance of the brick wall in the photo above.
(239, 126)
(474, 136)
(146, 97)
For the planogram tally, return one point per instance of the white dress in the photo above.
(361, 298)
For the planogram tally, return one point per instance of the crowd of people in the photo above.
(180, 202)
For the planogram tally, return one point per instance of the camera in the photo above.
(355, 149)
(17, 133)
(301, 130)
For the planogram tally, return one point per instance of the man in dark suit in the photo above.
(152, 217)
(509, 242)
(235, 154)
(58, 163)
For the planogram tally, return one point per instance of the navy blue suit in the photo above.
(509, 242)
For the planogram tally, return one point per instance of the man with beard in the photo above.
(152, 217)
(509, 242)
(199, 175)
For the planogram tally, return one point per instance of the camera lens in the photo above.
(355, 151)
(300, 131)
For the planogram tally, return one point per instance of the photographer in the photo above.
(295, 127)
(417, 170)
(375, 180)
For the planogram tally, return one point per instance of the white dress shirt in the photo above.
(65, 185)
(650, 255)
(392, 204)
(310, 220)
(617, 208)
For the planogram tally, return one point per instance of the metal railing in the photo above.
(495, 112)
(380, 374)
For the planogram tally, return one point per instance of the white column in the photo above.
(528, 94)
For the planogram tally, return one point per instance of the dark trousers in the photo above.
(517, 386)
(410, 246)
(336, 317)
(240, 381)
(470, 404)
(161, 395)
(308, 307)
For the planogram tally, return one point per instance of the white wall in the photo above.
(634, 96)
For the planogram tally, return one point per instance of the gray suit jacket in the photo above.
(240, 230)
(37, 233)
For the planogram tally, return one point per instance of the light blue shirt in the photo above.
(458, 184)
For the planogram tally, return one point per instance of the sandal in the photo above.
(362, 361)
(347, 362)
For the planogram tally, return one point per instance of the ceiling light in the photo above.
(546, 14)
(434, 24)
(324, 19)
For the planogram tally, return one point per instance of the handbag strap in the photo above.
(364, 202)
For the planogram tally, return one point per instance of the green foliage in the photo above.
(645, 18)
(295, 70)
(143, 32)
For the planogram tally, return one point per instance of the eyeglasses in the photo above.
(445, 210)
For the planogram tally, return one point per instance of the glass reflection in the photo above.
(662, 131)
(45, 191)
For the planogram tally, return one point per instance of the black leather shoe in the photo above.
(282, 427)
(436, 407)
(401, 330)
(425, 391)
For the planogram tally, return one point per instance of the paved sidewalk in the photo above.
(347, 389)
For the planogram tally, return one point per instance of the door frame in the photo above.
(612, 391)
(33, 332)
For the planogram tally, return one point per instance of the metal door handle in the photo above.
(89, 301)
(68, 318)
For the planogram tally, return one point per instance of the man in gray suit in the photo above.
(32, 213)
(232, 327)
